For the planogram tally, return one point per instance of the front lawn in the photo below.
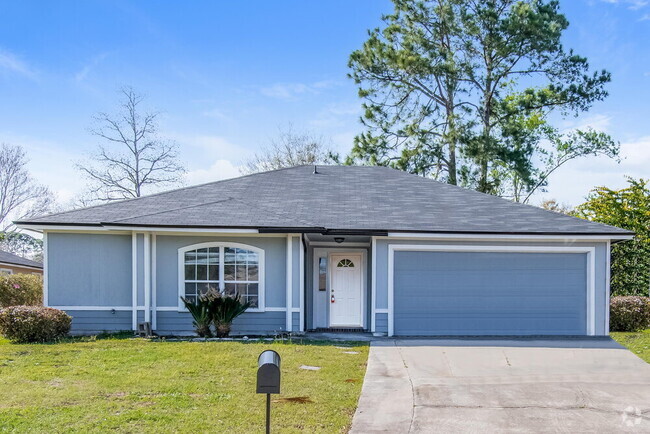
(136, 385)
(638, 342)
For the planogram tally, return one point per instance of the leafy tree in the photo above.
(132, 158)
(290, 149)
(22, 244)
(463, 90)
(628, 208)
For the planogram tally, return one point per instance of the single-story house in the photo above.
(331, 247)
(13, 264)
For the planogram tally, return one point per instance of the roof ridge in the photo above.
(172, 209)
(131, 199)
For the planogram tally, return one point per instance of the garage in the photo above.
(536, 292)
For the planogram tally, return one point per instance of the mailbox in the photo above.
(268, 372)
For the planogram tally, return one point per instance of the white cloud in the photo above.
(82, 74)
(288, 91)
(218, 115)
(220, 169)
(599, 122)
(572, 182)
(632, 4)
(645, 17)
(12, 63)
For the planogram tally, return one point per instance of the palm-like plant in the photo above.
(201, 311)
(215, 308)
(225, 311)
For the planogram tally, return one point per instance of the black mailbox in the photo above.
(268, 372)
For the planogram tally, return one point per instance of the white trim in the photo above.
(222, 245)
(6, 270)
(275, 309)
(608, 277)
(134, 279)
(46, 257)
(127, 229)
(364, 282)
(154, 283)
(109, 227)
(123, 308)
(496, 237)
(289, 278)
(302, 284)
(381, 310)
(9, 264)
(147, 276)
(317, 244)
(591, 278)
(373, 284)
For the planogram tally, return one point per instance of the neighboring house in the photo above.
(331, 247)
(12, 264)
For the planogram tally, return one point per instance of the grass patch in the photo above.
(637, 342)
(137, 385)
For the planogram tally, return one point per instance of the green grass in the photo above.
(638, 342)
(136, 385)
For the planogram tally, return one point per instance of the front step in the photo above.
(338, 330)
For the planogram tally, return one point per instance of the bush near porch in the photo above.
(136, 385)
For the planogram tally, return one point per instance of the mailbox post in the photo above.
(268, 379)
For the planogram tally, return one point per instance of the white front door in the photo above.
(345, 290)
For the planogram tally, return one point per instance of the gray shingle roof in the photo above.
(343, 198)
(10, 258)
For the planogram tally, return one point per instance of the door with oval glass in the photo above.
(345, 290)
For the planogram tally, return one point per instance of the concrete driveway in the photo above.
(503, 386)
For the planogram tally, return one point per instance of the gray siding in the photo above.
(601, 299)
(89, 269)
(170, 322)
(95, 270)
(469, 293)
(167, 265)
(381, 325)
(295, 324)
(87, 321)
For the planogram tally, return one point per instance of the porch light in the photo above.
(339, 239)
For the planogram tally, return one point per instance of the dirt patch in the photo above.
(295, 399)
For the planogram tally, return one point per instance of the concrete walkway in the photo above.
(503, 386)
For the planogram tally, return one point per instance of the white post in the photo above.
(46, 296)
(134, 280)
(154, 291)
(302, 285)
(373, 284)
(147, 277)
(289, 281)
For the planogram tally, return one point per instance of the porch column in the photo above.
(289, 282)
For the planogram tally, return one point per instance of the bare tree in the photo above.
(554, 205)
(133, 157)
(20, 195)
(290, 149)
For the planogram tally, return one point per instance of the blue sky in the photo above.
(226, 75)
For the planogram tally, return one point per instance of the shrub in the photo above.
(215, 309)
(25, 324)
(21, 289)
(629, 313)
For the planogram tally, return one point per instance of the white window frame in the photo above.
(6, 271)
(222, 284)
(590, 270)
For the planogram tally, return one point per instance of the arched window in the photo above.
(225, 267)
(345, 263)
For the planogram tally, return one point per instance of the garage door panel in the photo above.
(474, 293)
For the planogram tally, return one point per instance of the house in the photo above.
(331, 247)
(13, 264)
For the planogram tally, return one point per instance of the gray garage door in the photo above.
(468, 293)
